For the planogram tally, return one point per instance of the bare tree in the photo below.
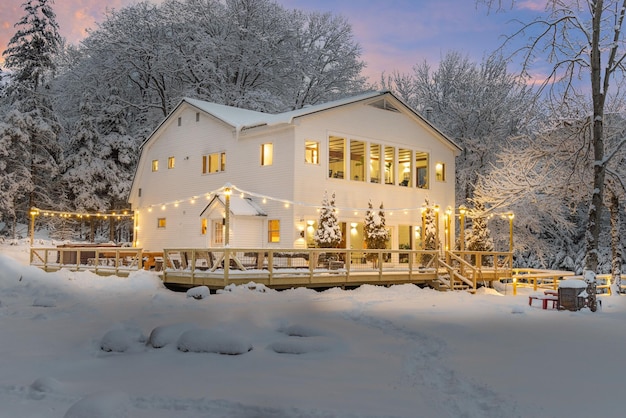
(580, 38)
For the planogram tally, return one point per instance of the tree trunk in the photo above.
(595, 209)
(616, 245)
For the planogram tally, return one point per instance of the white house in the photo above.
(368, 147)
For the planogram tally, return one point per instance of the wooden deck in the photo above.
(287, 268)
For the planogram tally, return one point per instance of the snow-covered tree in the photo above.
(375, 231)
(582, 40)
(118, 150)
(86, 168)
(478, 105)
(615, 211)
(328, 233)
(430, 226)
(31, 126)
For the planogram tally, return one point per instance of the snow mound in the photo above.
(211, 341)
(123, 340)
(301, 345)
(168, 334)
(488, 291)
(198, 292)
(103, 405)
(256, 287)
(302, 331)
(47, 385)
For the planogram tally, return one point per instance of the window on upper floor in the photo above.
(273, 230)
(336, 157)
(440, 171)
(375, 163)
(161, 223)
(267, 154)
(214, 163)
(390, 165)
(357, 160)
(155, 165)
(170, 162)
(405, 163)
(421, 170)
(311, 152)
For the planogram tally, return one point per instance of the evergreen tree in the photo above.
(85, 175)
(118, 150)
(31, 126)
(479, 236)
(328, 233)
(376, 233)
(430, 231)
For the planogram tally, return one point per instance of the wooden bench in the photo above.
(545, 299)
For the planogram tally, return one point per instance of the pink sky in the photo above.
(394, 34)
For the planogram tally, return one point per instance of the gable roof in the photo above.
(242, 119)
(239, 206)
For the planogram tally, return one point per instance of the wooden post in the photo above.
(227, 192)
(33, 213)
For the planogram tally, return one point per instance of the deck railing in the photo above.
(100, 260)
(300, 266)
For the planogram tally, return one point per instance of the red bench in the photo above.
(546, 298)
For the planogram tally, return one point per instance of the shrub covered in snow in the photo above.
(212, 341)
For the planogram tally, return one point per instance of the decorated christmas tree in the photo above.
(478, 238)
(376, 234)
(328, 233)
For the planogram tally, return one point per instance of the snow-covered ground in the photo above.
(79, 345)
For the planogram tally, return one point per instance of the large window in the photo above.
(357, 160)
(267, 154)
(421, 170)
(214, 163)
(375, 162)
(336, 157)
(311, 152)
(390, 165)
(273, 230)
(405, 162)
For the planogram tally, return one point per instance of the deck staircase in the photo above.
(455, 273)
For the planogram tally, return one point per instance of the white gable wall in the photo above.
(288, 178)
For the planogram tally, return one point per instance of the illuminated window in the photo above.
(273, 230)
(311, 152)
(218, 233)
(405, 164)
(155, 165)
(357, 160)
(267, 151)
(336, 157)
(170, 162)
(440, 172)
(214, 163)
(390, 165)
(161, 223)
(203, 226)
(421, 167)
(375, 163)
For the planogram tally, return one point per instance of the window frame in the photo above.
(220, 161)
(171, 162)
(273, 231)
(314, 148)
(267, 154)
(155, 166)
(161, 223)
(440, 171)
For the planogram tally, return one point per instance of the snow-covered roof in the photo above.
(242, 119)
(239, 206)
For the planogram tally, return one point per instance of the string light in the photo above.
(286, 203)
(80, 215)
